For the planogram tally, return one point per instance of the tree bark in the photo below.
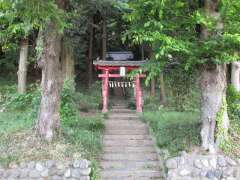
(104, 38)
(90, 56)
(67, 62)
(22, 67)
(235, 75)
(153, 87)
(49, 114)
(213, 93)
(213, 96)
(142, 52)
(162, 90)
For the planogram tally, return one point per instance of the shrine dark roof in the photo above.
(119, 63)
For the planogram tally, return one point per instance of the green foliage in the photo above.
(73, 101)
(25, 104)
(170, 29)
(16, 101)
(175, 131)
(19, 18)
(182, 90)
(69, 107)
(91, 99)
(151, 103)
(221, 135)
(232, 146)
(233, 101)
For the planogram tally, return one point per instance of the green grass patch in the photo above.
(79, 137)
(13, 121)
(175, 131)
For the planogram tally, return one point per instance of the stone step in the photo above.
(119, 105)
(123, 116)
(119, 121)
(127, 131)
(121, 108)
(130, 156)
(124, 122)
(130, 165)
(129, 149)
(131, 174)
(127, 127)
(128, 142)
(126, 137)
(138, 178)
(123, 111)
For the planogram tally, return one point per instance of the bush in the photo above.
(69, 106)
(16, 101)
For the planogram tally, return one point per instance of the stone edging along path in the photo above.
(203, 167)
(48, 170)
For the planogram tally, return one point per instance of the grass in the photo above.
(174, 131)
(12, 121)
(79, 137)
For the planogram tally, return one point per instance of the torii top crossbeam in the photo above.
(122, 67)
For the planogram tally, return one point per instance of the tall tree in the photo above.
(153, 87)
(15, 31)
(22, 67)
(170, 27)
(49, 113)
(104, 36)
(163, 97)
(90, 53)
(67, 60)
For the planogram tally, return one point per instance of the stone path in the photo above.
(128, 149)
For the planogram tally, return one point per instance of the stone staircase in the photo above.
(128, 148)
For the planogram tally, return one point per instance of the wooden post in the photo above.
(138, 95)
(105, 91)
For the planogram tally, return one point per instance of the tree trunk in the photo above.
(162, 90)
(22, 67)
(153, 87)
(235, 75)
(49, 114)
(213, 96)
(67, 62)
(213, 84)
(104, 38)
(90, 56)
(142, 52)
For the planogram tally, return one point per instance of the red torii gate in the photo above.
(107, 67)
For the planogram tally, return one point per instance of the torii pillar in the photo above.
(139, 100)
(105, 91)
